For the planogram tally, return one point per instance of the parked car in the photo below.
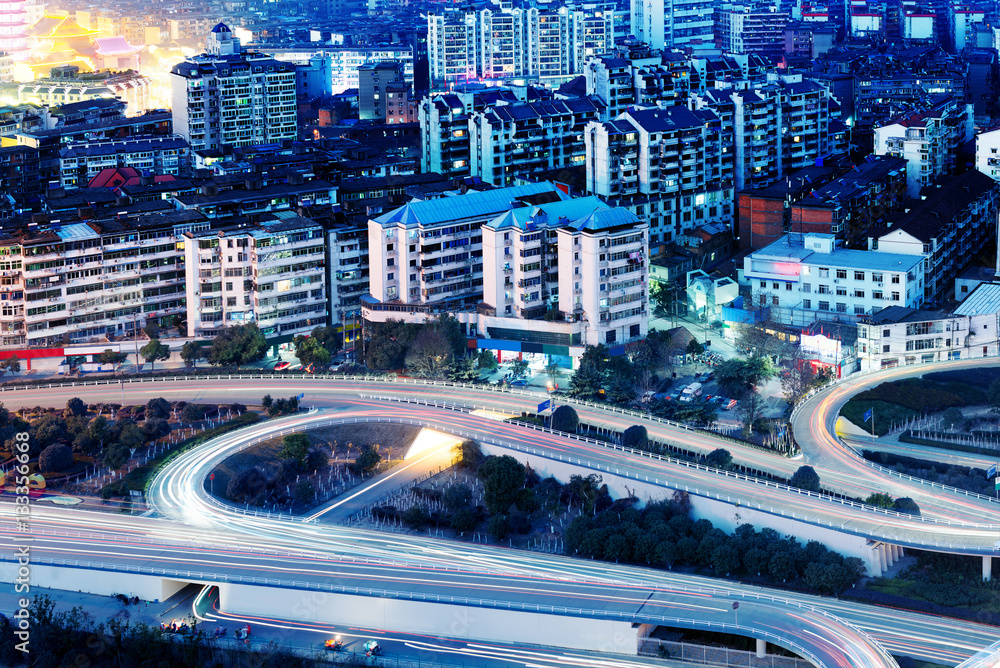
(728, 404)
(281, 366)
(520, 382)
(705, 377)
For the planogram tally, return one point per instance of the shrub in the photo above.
(158, 408)
(636, 437)
(498, 526)
(720, 458)
(246, 485)
(457, 496)
(416, 517)
(193, 413)
(806, 478)
(463, 519)
(564, 418)
(55, 458)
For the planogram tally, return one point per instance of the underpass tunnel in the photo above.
(703, 646)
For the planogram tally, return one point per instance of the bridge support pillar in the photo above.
(761, 648)
(987, 567)
(883, 561)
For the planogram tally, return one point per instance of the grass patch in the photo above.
(885, 414)
(979, 377)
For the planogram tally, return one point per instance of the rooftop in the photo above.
(896, 314)
(789, 249)
(984, 300)
(485, 204)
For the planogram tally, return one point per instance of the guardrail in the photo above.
(632, 617)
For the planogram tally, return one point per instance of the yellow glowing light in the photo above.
(428, 440)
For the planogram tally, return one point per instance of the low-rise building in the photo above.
(897, 336)
(809, 277)
(80, 162)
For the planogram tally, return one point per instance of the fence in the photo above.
(716, 656)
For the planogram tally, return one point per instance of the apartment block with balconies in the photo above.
(273, 274)
(506, 140)
(897, 336)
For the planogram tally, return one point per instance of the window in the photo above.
(806, 288)
(807, 304)
(806, 271)
(824, 272)
(895, 278)
(774, 301)
(859, 276)
(876, 294)
(895, 296)
(859, 310)
(763, 285)
(885, 348)
(841, 292)
(859, 294)
(775, 285)
(841, 273)
(824, 306)
(918, 329)
(876, 277)
(885, 333)
(823, 289)
(841, 308)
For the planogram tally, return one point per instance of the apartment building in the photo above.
(810, 277)
(227, 96)
(667, 166)
(444, 127)
(928, 140)
(19, 174)
(640, 78)
(257, 195)
(897, 336)
(85, 281)
(273, 273)
(988, 153)
(373, 95)
(756, 28)
(506, 140)
(682, 24)
(66, 84)
(501, 43)
(950, 227)
(524, 264)
(80, 162)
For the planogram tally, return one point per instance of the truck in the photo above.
(691, 391)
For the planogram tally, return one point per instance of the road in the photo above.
(335, 394)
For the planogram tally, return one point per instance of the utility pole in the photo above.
(135, 337)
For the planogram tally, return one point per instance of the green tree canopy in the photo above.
(110, 357)
(191, 352)
(154, 351)
(310, 351)
(564, 418)
(237, 346)
(502, 478)
(587, 381)
(430, 355)
(806, 478)
(295, 446)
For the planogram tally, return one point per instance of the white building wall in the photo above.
(988, 154)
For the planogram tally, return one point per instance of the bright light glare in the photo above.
(428, 439)
(492, 415)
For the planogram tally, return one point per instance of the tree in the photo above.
(430, 354)
(467, 455)
(154, 428)
(158, 408)
(486, 360)
(906, 505)
(694, 347)
(328, 337)
(154, 351)
(565, 419)
(245, 486)
(416, 517)
(464, 369)
(295, 446)
(267, 401)
(12, 364)
(636, 437)
(368, 460)
(310, 351)
(498, 526)
(519, 369)
(191, 352)
(502, 478)
(463, 519)
(304, 492)
(720, 458)
(75, 407)
(739, 376)
(552, 371)
(111, 357)
(750, 407)
(879, 500)
(116, 455)
(457, 496)
(951, 417)
(587, 381)
(193, 412)
(55, 458)
(754, 335)
(662, 295)
(316, 459)
(621, 389)
(237, 346)
(49, 429)
(806, 478)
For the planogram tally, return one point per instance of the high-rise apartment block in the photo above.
(682, 24)
(496, 44)
(667, 166)
(230, 97)
(751, 29)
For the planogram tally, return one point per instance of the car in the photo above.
(372, 648)
(728, 404)
(705, 377)
(717, 399)
(676, 394)
(281, 366)
(520, 382)
(335, 644)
